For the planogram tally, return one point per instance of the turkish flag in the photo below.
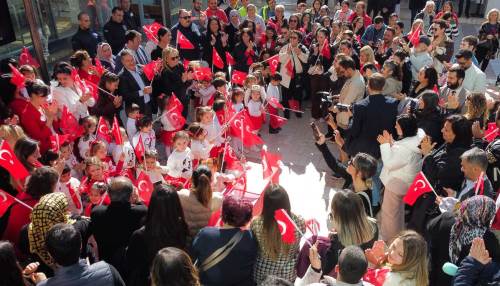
(419, 187)
(151, 31)
(185, 63)
(215, 219)
(216, 59)
(98, 66)
(273, 63)
(175, 118)
(202, 72)
(241, 127)
(115, 130)
(230, 159)
(229, 59)
(69, 125)
(289, 68)
(25, 58)
(276, 121)
(103, 129)
(183, 42)
(294, 104)
(77, 81)
(376, 276)
(173, 101)
(152, 68)
(17, 77)
(414, 36)
(313, 226)
(491, 132)
(325, 50)
(285, 225)
(91, 88)
(270, 165)
(6, 201)
(238, 185)
(274, 102)
(145, 187)
(238, 77)
(140, 149)
(57, 140)
(9, 161)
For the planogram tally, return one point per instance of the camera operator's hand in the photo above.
(321, 140)
(330, 121)
(338, 139)
(333, 109)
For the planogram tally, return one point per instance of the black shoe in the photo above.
(279, 128)
(273, 131)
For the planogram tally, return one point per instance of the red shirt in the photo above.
(219, 13)
(367, 20)
(19, 216)
(18, 105)
(35, 125)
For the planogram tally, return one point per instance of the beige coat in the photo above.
(352, 91)
(298, 60)
(195, 214)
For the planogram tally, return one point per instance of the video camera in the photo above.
(328, 100)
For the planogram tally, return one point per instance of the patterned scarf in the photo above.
(50, 210)
(473, 220)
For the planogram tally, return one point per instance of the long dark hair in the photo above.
(10, 270)
(462, 129)
(165, 224)
(431, 75)
(23, 149)
(202, 188)
(431, 104)
(173, 267)
(210, 19)
(275, 198)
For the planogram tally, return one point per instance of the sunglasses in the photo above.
(185, 17)
(174, 58)
(292, 21)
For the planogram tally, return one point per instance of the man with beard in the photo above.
(384, 48)
(453, 94)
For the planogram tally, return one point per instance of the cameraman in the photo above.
(370, 117)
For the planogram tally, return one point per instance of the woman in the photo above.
(164, 227)
(245, 51)
(27, 152)
(50, 210)
(268, 41)
(67, 93)
(427, 80)
(326, 22)
(82, 62)
(173, 267)
(442, 167)
(401, 162)
(430, 117)
(11, 271)
(450, 235)
(392, 75)
(41, 182)
(199, 202)
(274, 256)
(316, 6)
(109, 103)
(366, 55)
(400, 57)
(260, 25)
(358, 26)
(172, 79)
(237, 266)
(476, 109)
(232, 29)
(448, 14)
(36, 118)
(350, 225)
(344, 13)
(214, 38)
(320, 60)
(488, 38)
(105, 55)
(294, 22)
(306, 23)
(164, 36)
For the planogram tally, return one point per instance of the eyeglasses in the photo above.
(185, 17)
(292, 21)
(350, 163)
(174, 58)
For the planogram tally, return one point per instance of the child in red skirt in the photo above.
(256, 108)
(208, 121)
(168, 129)
(273, 95)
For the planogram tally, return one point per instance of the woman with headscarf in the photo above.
(450, 235)
(105, 55)
(232, 29)
(50, 210)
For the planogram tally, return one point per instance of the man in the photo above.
(114, 30)
(384, 48)
(399, 29)
(442, 47)
(85, 38)
(469, 43)
(130, 19)
(278, 19)
(351, 267)
(374, 33)
(359, 11)
(113, 225)
(268, 10)
(475, 78)
(453, 94)
(243, 8)
(345, 47)
(215, 11)
(134, 86)
(133, 43)
(198, 17)
(474, 163)
(191, 32)
(64, 245)
(233, 5)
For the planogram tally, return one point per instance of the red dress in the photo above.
(18, 105)
(34, 124)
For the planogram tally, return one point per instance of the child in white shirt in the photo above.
(89, 126)
(152, 167)
(179, 163)
(70, 187)
(127, 149)
(146, 133)
(133, 113)
(256, 108)
(200, 146)
(208, 121)
(237, 99)
(273, 95)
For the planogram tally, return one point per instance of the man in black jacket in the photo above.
(130, 19)
(114, 30)
(113, 225)
(191, 32)
(85, 38)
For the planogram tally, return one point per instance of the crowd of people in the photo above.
(134, 154)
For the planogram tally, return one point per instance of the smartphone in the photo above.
(316, 132)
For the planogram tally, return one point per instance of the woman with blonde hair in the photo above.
(275, 257)
(366, 55)
(487, 46)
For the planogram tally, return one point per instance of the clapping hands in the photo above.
(384, 138)
(376, 255)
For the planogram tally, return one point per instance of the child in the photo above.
(179, 164)
(97, 196)
(152, 167)
(146, 133)
(89, 127)
(219, 180)
(94, 172)
(99, 150)
(237, 99)
(248, 83)
(220, 85)
(66, 153)
(200, 146)
(419, 56)
(168, 129)
(407, 257)
(127, 149)
(206, 91)
(274, 91)
(132, 115)
(70, 187)
(256, 108)
(209, 122)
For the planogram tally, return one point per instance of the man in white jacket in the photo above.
(475, 78)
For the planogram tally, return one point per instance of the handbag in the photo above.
(316, 69)
(221, 253)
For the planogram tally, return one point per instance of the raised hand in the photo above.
(478, 251)
(376, 255)
(426, 145)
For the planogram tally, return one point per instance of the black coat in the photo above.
(170, 80)
(131, 20)
(207, 49)
(241, 58)
(371, 116)
(129, 89)
(86, 40)
(114, 33)
(112, 227)
(194, 36)
(431, 123)
(233, 37)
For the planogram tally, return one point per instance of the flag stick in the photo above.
(297, 228)
(432, 188)
(22, 203)
(481, 177)
(491, 133)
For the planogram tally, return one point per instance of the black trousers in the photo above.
(294, 91)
